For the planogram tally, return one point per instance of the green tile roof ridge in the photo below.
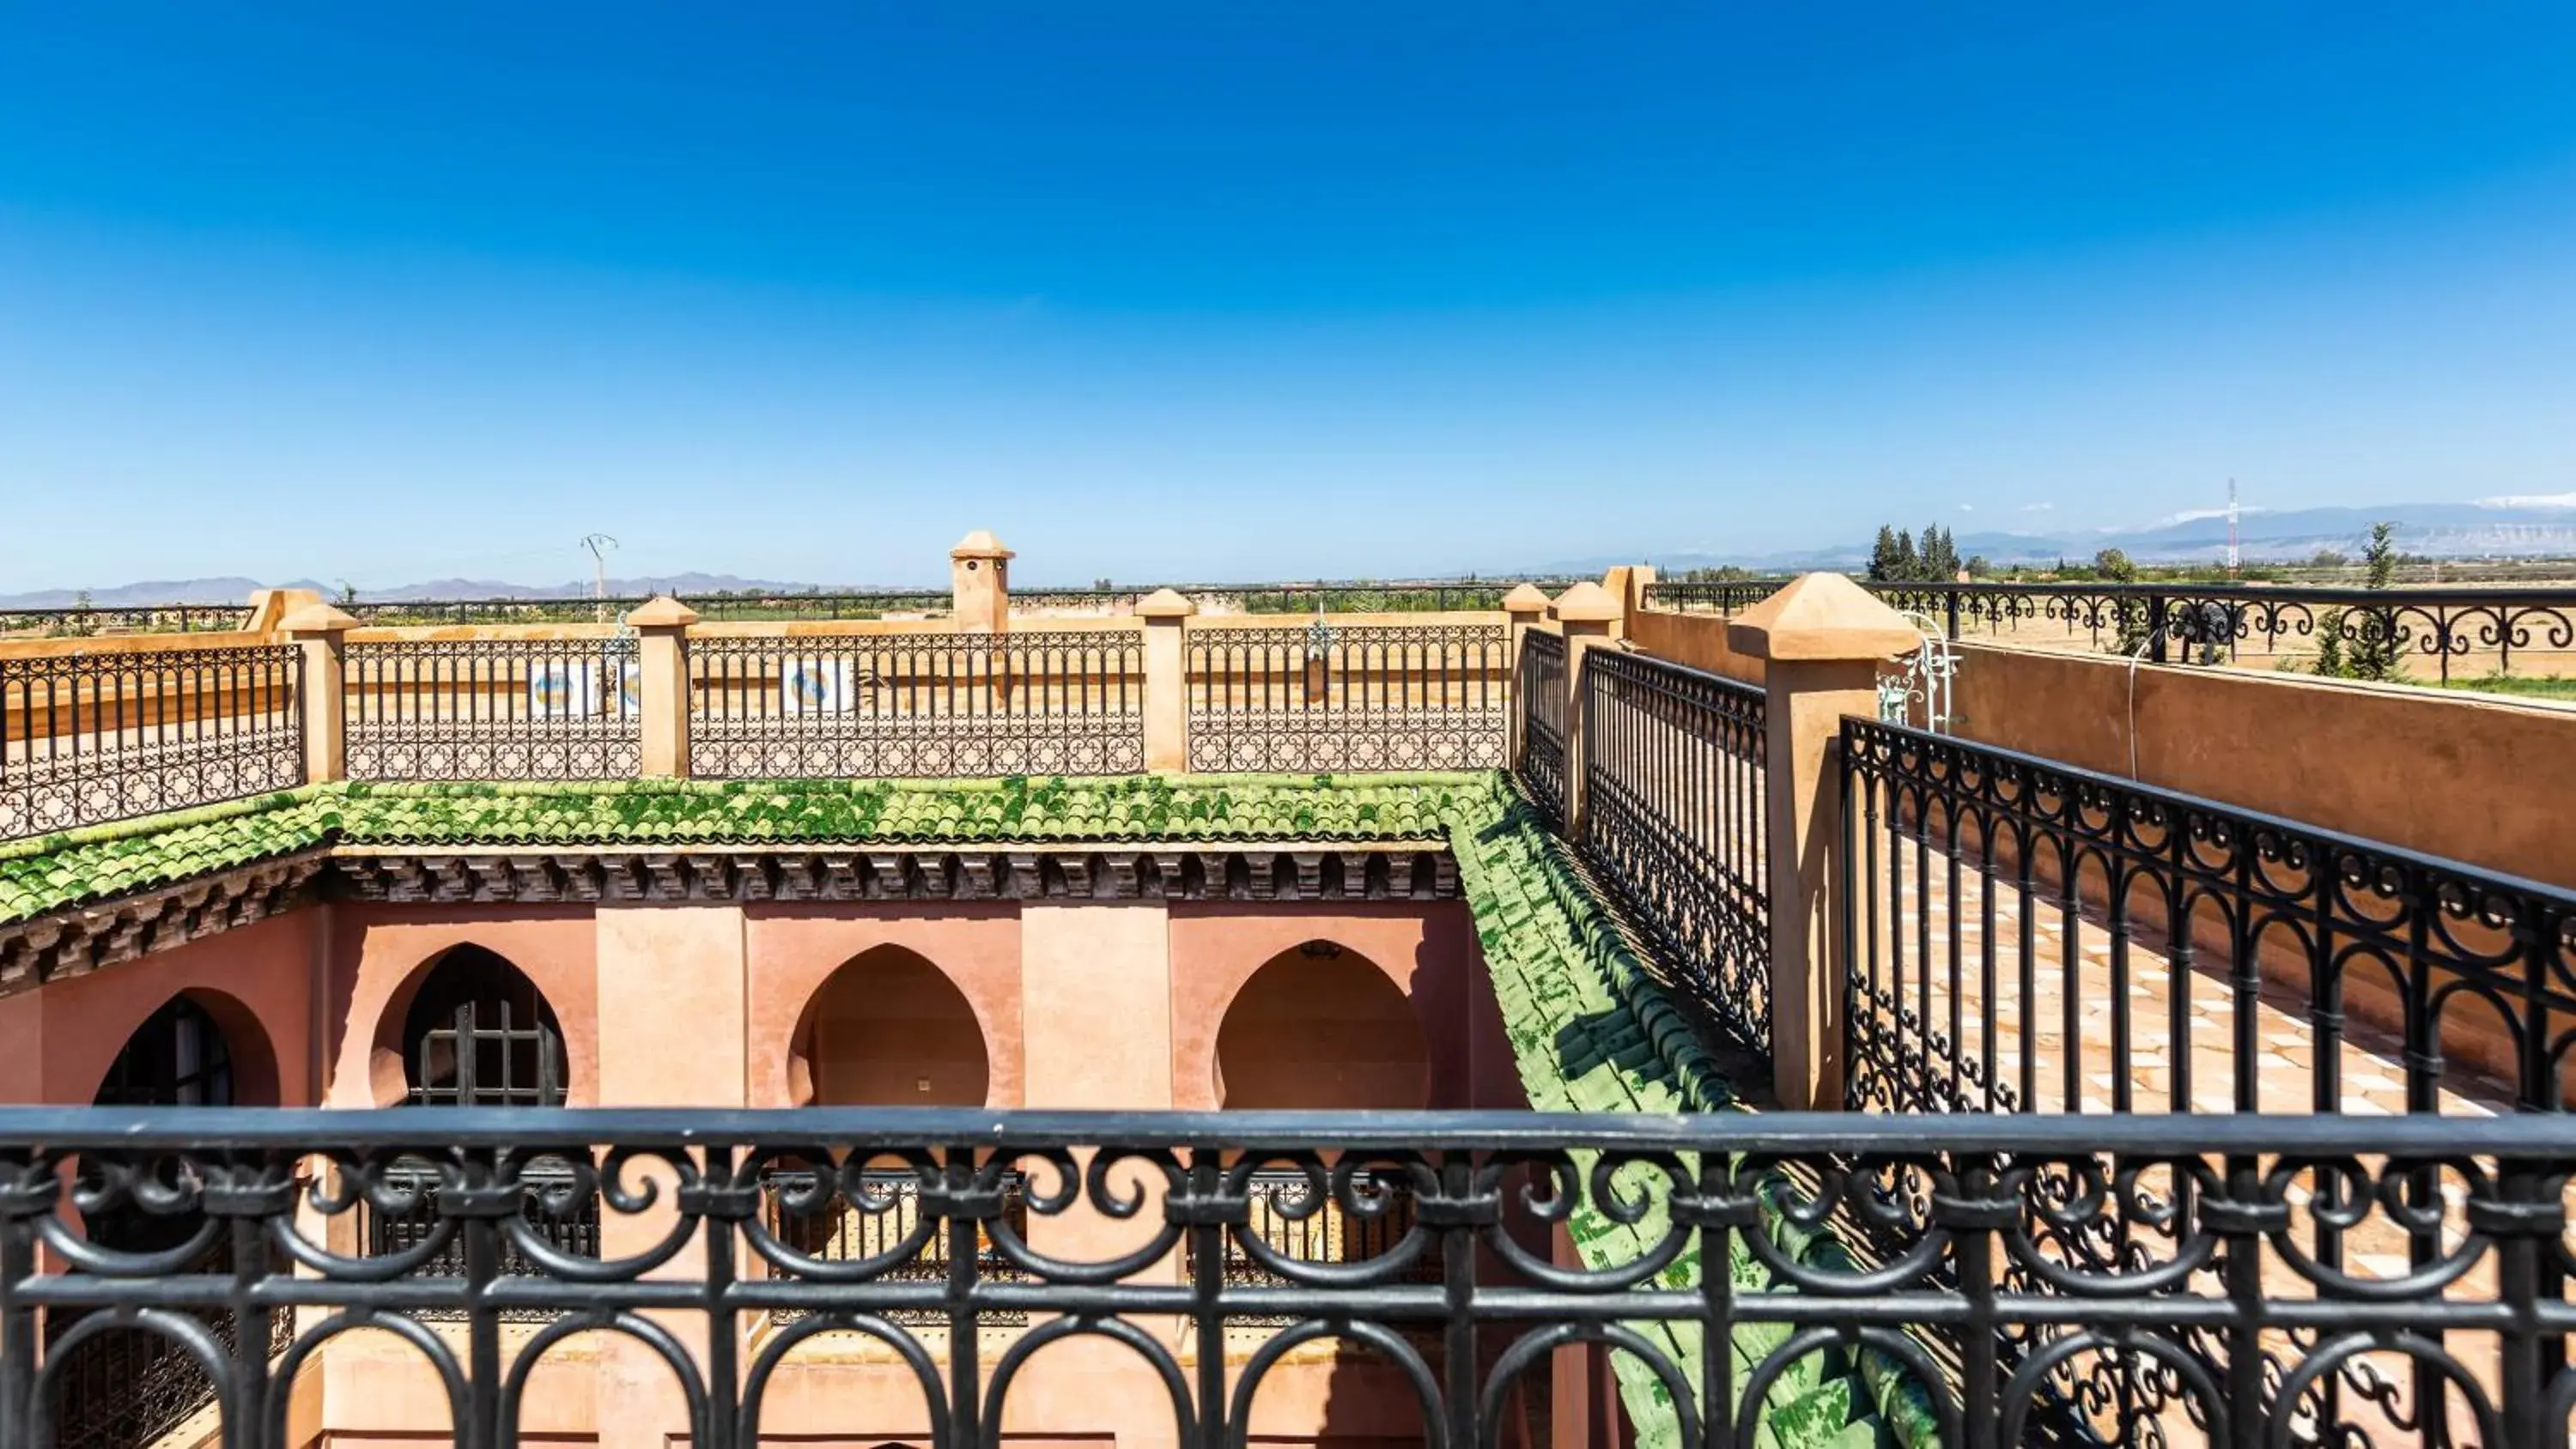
(53, 872)
(1591, 1030)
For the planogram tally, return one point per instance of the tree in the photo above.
(1978, 567)
(1907, 565)
(1882, 556)
(2114, 565)
(2371, 647)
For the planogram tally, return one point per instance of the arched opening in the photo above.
(888, 1028)
(1321, 1028)
(480, 1034)
(133, 1385)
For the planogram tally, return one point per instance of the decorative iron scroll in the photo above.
(2182, 622)
(493, 709)
(1676, 808)
(1348, 697)
(1540, 758)
(2003, 901)
(111, 735)
(1065, 702)
(1970, 1325)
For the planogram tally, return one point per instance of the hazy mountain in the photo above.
(2492, 528)
(2496, 528)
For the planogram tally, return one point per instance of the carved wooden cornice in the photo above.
(1227, 872)
(73, 942)
(80, 939)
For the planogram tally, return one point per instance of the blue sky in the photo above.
(391, 292)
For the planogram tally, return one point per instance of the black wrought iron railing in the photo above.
(126, 1387)
(1539, 756)
(1676, 808)
(1061, 702)
(2184, 622)
(2026, 936)
(1332, 697)
(493, 709)
(849, 1220)
(76, 622)
(111, 734)
(1972, 1324)
(401, 1219)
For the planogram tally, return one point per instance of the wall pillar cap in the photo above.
(1586, 603)
(980, 544)
(1525, 598)
(317, 618)
(661, 612)
(1820, 617)
(1165, 603)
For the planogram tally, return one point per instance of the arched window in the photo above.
(479, 1034)
(176, 1058)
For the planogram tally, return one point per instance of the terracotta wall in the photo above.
(1698, 640)
(2466, 777)
(1071, 1005)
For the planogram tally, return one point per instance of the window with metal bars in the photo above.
(480, 1035)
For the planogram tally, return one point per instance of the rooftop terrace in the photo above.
(2002, 1019)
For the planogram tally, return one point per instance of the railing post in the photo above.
(1167, 680)
(1821, 640)
(1523, 607)
(1588, 614)
(662, 686)
(322, 632)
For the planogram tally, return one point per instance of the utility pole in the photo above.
(598, 544)
(2234, 558)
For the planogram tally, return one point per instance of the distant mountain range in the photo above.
(2495, 528)
(2492, 528)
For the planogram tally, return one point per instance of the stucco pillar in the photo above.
(661, 626)
(979, 578)
(1523, 607)
(322, 632)
(673, 1032)
(1821, 639)
(1167, 680)
(1588, 615)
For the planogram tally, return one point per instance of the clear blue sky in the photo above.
(384, 292)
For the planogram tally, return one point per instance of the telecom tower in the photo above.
(2232, 556)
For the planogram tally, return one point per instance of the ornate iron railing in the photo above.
(92, 737)
(741, 605)
(77, 622)
(1973, 1326)
(1676, 806)
(852, 1214)
(129, 1386)
(2026, 936)
(1348, 697)
(1539, 756)
(2180, 622)
(2203, 624)
(1065, 702)
(493, 709)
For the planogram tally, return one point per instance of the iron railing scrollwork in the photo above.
(2005, 902)
(1675, 816)
(1348, 697)
(493, 709)
(1539, 758)
(2025, 937)
(129, 1386)
(2202, 623)
(109, 734)
(1059, 702)
(1971, 1324)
